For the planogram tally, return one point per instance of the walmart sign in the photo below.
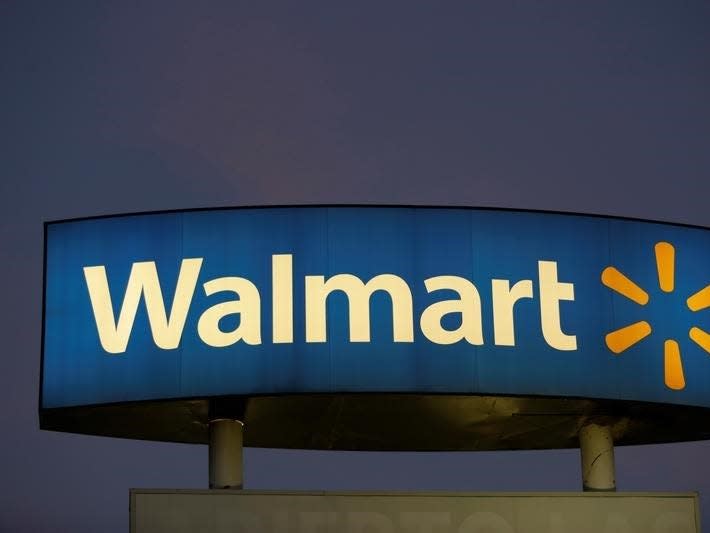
(374, 299)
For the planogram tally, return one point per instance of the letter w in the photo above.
(143, 279)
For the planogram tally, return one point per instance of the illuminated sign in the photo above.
(374, 299)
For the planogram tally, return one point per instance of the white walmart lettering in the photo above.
(167, 329)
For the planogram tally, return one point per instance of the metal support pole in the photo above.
(225, 453)
(597, 448)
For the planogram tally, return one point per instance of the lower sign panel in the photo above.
(158, 511)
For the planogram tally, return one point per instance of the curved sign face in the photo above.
(295, 300)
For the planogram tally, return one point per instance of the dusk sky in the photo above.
(112, 107)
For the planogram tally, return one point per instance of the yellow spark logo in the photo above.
(623, 338)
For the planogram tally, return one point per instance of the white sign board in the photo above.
(158, 511)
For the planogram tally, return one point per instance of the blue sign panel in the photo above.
(375, 299)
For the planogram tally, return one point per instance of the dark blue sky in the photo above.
(107, 107)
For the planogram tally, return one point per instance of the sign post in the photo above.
(597, 449)
(225, 454)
